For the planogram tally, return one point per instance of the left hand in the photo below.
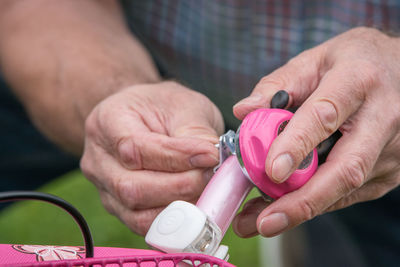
(148, 145)
(350, 83)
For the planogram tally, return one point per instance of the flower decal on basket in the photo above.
(49, 253)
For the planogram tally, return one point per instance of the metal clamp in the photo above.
(226, 147)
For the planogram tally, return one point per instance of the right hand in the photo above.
(149, 145)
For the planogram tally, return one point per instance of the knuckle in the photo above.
(91, 126)
(167, 159)
(309, 209)
(276, 79)
(391, 123)
(391, 114)
(361, 30)
(303, 59)
(129, 153)
(369, 75)
(86, 165)
(327, 116)
(353, 174)
(129, 193)
(103, 120)
(365, 33)
(295, 62)
(308, 65)
(203, 100)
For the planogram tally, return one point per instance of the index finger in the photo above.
(136, 146)
(338, 96)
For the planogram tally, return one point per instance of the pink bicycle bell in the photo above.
(253, 140)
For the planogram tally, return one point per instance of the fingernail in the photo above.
(246, 224)
(273, 224)
(281, 168)
(203, 161)
(253, 99)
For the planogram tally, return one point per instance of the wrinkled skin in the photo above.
(350, 83)
(149, 145)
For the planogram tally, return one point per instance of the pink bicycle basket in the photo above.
(72, 256)
(57, 256)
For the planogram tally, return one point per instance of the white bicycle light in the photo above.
(183, 227)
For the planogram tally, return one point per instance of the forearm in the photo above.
(63, 57)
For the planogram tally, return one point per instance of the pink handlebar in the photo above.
(225, 193)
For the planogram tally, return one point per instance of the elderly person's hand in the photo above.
(350, 83)
(149, 145)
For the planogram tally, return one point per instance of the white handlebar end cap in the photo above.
(176, 227)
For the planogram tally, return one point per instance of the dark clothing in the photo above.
(27, 158)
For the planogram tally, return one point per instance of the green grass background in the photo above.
(33, 222)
